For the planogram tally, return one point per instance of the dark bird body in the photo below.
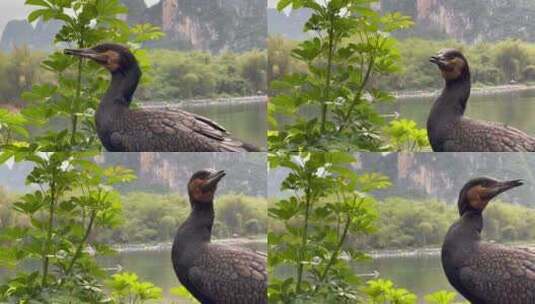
(215, 274)
(122, 129)
(449, 131)
(486, 273)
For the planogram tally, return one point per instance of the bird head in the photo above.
(113, 57)
(452, 64)
(203, 184)
(477, 193)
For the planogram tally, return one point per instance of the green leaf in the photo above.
(34, 15)
(37, 3)
(282, 4)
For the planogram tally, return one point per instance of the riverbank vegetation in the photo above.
(491, 64)
(141, 222)
(411, 224)
(173, 76)
(407, 224)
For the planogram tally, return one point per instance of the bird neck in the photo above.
(470, 226)
(447, 110)
(122, 87)
(452, 101)
(198, 226)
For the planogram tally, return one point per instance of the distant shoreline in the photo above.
(476, 91)
(207, 102)
(17, 106)
(164, 246)
(420, 252)
(374, 254)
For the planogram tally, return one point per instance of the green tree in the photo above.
(329, 203)
(510, 57)
(253, 68)
(350, 46)
(75, 90)
(74, 199)
(21, 73)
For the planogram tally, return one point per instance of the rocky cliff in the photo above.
(166, 172)
(429, 175)
(212, 25)
(169, 172)
(206, 25)
(468, 21)
(20, 32)
(435, 176)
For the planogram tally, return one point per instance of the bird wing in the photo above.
(230, 275)
(482, 136)
(500, 274)
(172, 130)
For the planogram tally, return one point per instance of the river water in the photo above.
(513, 108)
(150, 265)
(421, 274)
(245, 120)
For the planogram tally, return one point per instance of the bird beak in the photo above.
(438, 60)
(212, 182)
(87, 53)
(501, 187)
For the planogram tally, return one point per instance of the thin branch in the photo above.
(330, 55)
(308, 203)
(51, 211)
(82, 242)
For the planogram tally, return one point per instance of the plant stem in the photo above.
(336, 252)
(82, 242)
(308, 203)
(329, 71)
(74, 117)
(358, 95)
(49, 228)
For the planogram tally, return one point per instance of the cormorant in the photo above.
(215, 273)
(449, 131)
(121, 129)
(486, 273)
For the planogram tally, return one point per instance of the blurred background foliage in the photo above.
(175, 75)
(504, 62)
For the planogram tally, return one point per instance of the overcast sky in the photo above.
(15, 9)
